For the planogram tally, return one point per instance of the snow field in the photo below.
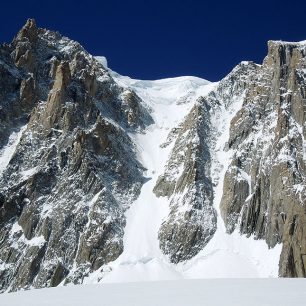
(210, 292)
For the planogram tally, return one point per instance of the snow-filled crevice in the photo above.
(7, 152)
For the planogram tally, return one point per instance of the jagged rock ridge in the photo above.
(67, 186)
(70, 168)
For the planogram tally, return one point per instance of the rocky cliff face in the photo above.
(70, 168)
(264, 190)
(74, 170)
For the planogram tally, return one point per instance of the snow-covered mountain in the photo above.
(104, 178)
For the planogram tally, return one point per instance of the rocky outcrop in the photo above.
(264, 187)
(187, 183)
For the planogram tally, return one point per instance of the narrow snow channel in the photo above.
(142, 259)
(7, 152)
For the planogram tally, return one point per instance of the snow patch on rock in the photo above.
(8, 151)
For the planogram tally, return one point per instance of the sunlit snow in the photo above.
(210, 292)
(7, 152)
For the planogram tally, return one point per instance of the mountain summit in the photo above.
(107, 178)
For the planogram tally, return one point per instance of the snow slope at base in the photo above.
(229, 256)
(213, 292)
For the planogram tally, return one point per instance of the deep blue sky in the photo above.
(154, 39)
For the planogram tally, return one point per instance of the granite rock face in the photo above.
(187, 183)
(73, 169)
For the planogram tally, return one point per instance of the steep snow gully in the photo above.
(169, 101)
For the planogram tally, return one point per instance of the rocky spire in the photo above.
(28, 31)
